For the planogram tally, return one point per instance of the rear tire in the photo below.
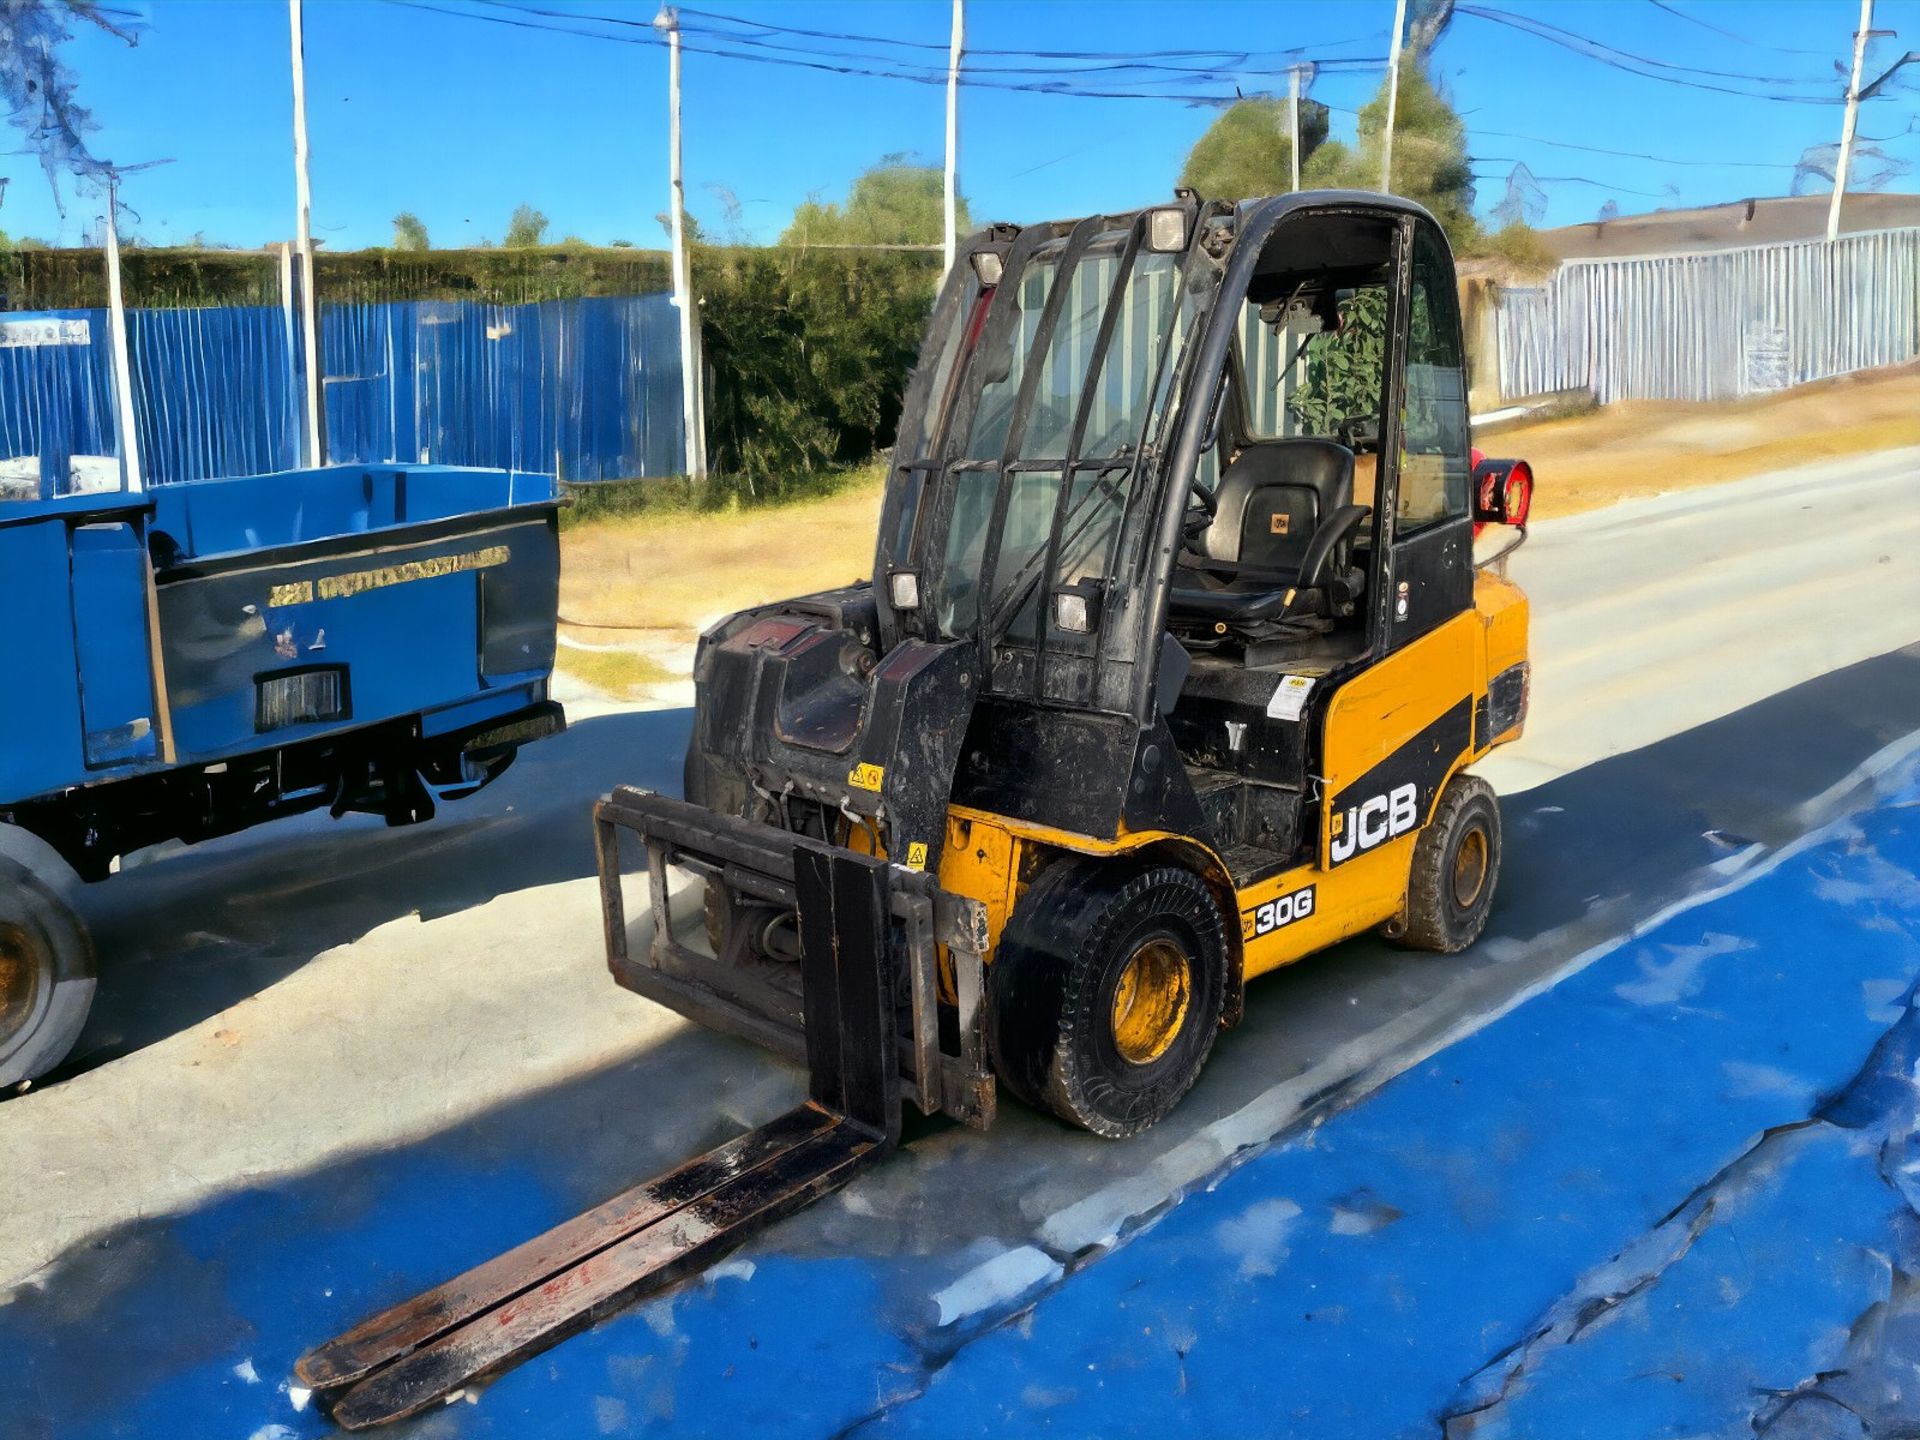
(46, 959)
(1106, 992)
(1456, 867)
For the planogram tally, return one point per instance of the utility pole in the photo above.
(690, 379)
(314, 436)
(123, 418)
(956, 43)
(1853, 118)
(1393, 93)
(1293, 97)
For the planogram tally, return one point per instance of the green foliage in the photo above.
(808, 352)
(527, 228)
(1248, 151)
(604, 500)
(36, 278)
(1344, 367)
(409, 232)
(894, 203)
(1519, 250)
(1430, 162)
(6, 242)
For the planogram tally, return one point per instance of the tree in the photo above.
(894, 203)
(1430, 162)
(409, 232)
(1248, 151)
(37, 88)
(528, 227)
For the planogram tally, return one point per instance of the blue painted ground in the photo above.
(1585, 1219)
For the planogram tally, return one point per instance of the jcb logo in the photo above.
(1278, 912)
(1374, 822)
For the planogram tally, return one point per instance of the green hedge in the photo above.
(36, 279)
(807, 354)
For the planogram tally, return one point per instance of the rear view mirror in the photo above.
(1502, 492)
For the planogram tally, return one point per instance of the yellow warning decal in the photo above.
(917, 855)
(866, 776)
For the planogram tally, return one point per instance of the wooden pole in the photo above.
(690, 379)
(314, 434)
(956, 43)
(1393, 94)
(1293, 96)
(1853, 119)
(132, 480)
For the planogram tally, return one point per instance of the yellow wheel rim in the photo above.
(1150, 1003)
(1470, 868)
(17, 980)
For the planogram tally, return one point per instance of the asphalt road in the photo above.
(288, 1000)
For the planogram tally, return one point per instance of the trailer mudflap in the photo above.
(499, 1313)
(936, 936)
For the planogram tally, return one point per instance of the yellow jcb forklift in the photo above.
(1172, 666)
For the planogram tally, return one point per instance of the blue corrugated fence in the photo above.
(589, 388)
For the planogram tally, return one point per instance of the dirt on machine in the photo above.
(1175, 658)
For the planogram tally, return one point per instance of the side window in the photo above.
(1434, 465)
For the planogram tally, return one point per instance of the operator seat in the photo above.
(1271, 499)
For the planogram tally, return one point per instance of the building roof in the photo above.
(1718, 227)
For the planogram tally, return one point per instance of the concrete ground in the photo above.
(285, 1010)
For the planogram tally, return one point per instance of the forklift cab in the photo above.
(1174, 578)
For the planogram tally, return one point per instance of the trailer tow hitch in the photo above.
(405, 1359)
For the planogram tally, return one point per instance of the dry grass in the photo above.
(1642, 448)
(668, 576)
(623, 674)
(655, 580)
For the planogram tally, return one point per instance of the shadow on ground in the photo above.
(191, 934)
(158, 1325)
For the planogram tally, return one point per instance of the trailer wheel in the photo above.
(1106, 993)
(46, 959)
(1456, 865)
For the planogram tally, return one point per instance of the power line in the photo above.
(1633, 154)
(530, 17)
(1731, 34)
(1654, 69)
(769, 27)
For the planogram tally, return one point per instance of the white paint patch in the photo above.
(274, 1432)
(1681, 974)
(1882, 1000)
(610, 1414)
(1004, 1278)
(1258, 1236)
(1746, 1080)
(732, 1270)
(297, 1396)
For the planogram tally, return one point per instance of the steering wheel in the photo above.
(1206, 507)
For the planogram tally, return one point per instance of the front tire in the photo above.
(46, 959)
(1106, 992)
(1456, 866)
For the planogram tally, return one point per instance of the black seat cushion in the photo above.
(1272, 498)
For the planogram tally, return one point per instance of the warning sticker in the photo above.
(1289, 697)
(866, 776)
(917, 855)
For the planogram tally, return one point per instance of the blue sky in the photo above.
(459, 119)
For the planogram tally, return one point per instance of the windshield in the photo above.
(1059, 419)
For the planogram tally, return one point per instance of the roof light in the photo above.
(1167, 230)
(903, 588)
(988, 265)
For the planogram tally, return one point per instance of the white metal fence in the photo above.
(1717, 325)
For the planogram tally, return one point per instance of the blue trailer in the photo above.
(203, 657)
